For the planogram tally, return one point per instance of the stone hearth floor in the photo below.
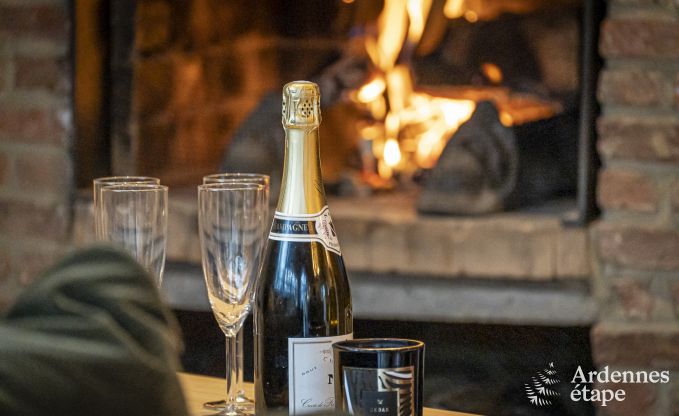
(513, 267)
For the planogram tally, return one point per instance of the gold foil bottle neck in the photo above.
(301, 104)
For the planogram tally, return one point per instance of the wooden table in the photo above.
(201, 389)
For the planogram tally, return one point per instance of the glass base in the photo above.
(244, 406)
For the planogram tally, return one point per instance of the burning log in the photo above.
(488, 167)
(477, 169)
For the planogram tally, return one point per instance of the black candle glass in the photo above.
(379, 376)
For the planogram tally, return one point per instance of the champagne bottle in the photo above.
(303, 301)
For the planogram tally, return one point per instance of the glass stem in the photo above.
(231, 376)
(240, 392)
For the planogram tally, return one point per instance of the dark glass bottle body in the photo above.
(303, 293)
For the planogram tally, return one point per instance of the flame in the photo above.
(391, 26)
(418, 10)
(454, 9)
(392, 153)
(371, 91)
(506, 119)
(429, 148)
(447, 116)
(456, 112)
(391, 125)
(378, 108)
(471, 16)
(415, 126)
(399, 88)
(492, 72)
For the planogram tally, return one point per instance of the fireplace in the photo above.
(195, 88)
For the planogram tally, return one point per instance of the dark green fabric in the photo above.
(90, 337)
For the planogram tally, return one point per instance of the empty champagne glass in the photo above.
(231, 217)
(134, 217)
(98, 183)
(261, 179)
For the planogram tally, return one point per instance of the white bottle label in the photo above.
(310, 374)
(306, 227)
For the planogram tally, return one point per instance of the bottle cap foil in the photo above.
(301, 104)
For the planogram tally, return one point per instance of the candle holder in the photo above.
(379, 376)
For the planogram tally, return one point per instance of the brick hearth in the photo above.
(385, 235)
(494, 269)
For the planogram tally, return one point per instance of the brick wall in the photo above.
(637, 238)
(35, 139)
(200, 67)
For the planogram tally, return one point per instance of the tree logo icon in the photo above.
(539, 390)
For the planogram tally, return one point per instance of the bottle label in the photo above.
(306, 227)
(379, 391)
(311, 387)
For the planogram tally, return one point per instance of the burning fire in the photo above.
(460, 8)
(411, 128)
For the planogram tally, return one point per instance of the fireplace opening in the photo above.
(478, 106)
(480, 103)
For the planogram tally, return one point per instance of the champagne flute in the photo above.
(231, 217)
(257, 178)
(98, 183)
(134, 217)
